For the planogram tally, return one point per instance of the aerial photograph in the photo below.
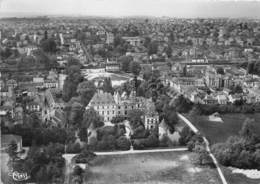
(130, 91)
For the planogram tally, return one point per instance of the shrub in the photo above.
(118, 119)
(149, 142)
(186, 135)
(108, 142)
(240, 151)
(85, 156)
(122, 143)
(73, 148)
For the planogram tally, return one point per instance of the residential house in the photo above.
(134, 41)
(112, 66)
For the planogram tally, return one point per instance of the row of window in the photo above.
(118, 107)
(151, 121)
(113, 113)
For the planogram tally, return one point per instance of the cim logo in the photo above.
(18, 176)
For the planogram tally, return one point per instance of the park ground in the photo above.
(237, 178)
(142, 168)
(219, 132)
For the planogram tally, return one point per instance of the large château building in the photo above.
(109, 106)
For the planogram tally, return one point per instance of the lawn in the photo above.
(238, 178)
(166, 167)
(219, 132)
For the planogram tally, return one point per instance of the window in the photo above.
(103, 112)
(107, 112)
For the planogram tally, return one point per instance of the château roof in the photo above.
(102, 98)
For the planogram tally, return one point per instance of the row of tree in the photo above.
(238, 107)
(242, 151)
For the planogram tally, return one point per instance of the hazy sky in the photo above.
(175, 8)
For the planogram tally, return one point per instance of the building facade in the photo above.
(109, 106)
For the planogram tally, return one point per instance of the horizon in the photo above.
(131, 8)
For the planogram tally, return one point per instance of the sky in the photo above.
(171, 8)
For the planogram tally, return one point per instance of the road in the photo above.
(223, 179)
(140, 151)
(195, 130)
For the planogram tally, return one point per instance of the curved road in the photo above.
(195, 130)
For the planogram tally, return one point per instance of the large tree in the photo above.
(71, 83)
(91, 117)
(86, 90)
(107, 86)
(76, 114)
(49, 45)
(152, 48)
(240, 151)
(135, 68)
(125, 62)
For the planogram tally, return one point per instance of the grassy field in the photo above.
(238, 178)
(166, 167)
(219, 132)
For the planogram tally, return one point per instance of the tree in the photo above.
(135, 118)
(147, 74)
(117, 119)
(168, 51)
(247, 129)
(86, 90)
(147, 41)
(185, 135)
(72, 61)
(220, 70)
(170, 117)
(108, 142)
(83, 134)
(73, 148)
(118, 41)
(152, 48)
(181, 104)
(240, 151)
(135, 68)
(122, 143)
(85, 156)
(71, 82)
(250, 67)
(12, 149)
(49, 45)
(76, 114)
(91, 117)
(78, 170)
(236, 89)
(107, 86)
(204, 158)
(45, 163)
(125, 62)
